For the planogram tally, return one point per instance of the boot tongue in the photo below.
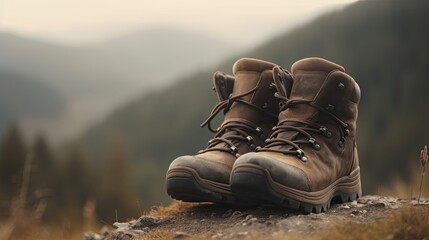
(223, 85)
(309, 75)
(248, 72)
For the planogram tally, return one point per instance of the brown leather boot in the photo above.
(311, 156)
(251, 110)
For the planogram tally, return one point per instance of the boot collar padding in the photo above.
(251, 64)
(315, 64)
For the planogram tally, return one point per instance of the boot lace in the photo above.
(301, 127)
(233, 133)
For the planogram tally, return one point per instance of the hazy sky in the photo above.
(78, 21)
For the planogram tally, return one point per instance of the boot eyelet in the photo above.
(249, 140)
(237, 155)
(266, 141)
(260, 132)
(300, 155)
(340, 85)
(233, 149)
(341, 143)
(346, 130)
(314, 144)
(258, 148)
(325, 132)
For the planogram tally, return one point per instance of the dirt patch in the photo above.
(214, 221)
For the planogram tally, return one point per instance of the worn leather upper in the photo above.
(325, 85)
(248, 74)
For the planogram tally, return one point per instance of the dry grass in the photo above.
(175, 208)
(158, 234)
(423, 163)
(408, 223)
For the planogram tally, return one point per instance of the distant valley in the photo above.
(84, 83)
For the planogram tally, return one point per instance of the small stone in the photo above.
(147, 221)
(202, 220)
(249, 220)
(344, 207)
(105, 231)
(379, 204)
(237, 214)
(358, 212)
(253, 219)
(227, 214)
(119, 225)
(181, 235)
(125, 234)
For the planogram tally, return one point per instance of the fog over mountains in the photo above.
(83, 83)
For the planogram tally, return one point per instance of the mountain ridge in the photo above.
(96, 78)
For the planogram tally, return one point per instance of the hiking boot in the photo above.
(251, 110)
(311, 156)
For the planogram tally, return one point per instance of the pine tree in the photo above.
(12, 158)
(44, 179)
(76, 186)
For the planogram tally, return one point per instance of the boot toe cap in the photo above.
(281, 172)
(205, 169)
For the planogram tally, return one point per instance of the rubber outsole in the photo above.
(187, 189)
(259, 188)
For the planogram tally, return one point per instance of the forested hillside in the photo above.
(383, 44)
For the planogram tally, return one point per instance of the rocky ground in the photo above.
(212, 221)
